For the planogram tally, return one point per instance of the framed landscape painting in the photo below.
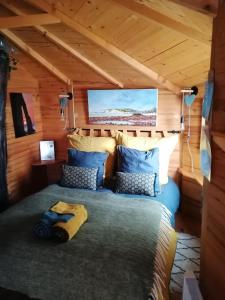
(136, 107)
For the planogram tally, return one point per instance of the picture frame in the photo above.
(22, 106)
(134, 107)
(47, 150)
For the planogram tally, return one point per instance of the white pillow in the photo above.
(166, 146)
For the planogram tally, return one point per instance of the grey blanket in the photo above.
(111, 257)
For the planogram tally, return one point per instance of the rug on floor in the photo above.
(187, 258)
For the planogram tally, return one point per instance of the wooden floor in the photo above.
(175, 297)
(187, 224)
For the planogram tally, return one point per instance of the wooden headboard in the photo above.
(90, 131)
(175, 157)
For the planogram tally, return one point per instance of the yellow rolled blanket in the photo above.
(64, 231)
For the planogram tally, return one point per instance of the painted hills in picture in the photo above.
(136, 107)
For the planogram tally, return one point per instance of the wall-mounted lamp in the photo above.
(63, 102)
(188, 97)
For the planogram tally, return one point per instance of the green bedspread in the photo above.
(112, 257)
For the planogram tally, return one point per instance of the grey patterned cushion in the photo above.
(135, 183)
(79, 177)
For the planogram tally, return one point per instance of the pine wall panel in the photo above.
(22, 151)
(168, 118)
(212, 274)
(53, 127)
(49, 87)
(192, 181)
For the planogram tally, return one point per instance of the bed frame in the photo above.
(89, 131)
(175, 161)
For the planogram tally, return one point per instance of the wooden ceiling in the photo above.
(128, 43)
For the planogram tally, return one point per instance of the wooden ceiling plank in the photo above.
(80, 56)
(106, 45)
(27, 20)
(67, 47)
(204, 6)
(173, 60)
(140, 8)
(21, 44)
(192, 76)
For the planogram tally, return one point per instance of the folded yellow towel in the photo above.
(66, 230)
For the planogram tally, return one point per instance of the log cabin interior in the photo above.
(54, 53)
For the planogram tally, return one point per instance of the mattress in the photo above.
(124, 251)
(169, 196)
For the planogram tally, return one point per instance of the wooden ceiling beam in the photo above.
(22, 45)
(106, 45)
(27, 20)
(144, 9)
(67, 47)
(209, 7)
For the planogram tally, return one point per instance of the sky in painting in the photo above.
(137, 99)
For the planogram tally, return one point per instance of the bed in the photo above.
(124, 251)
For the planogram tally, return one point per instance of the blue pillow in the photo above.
(88, 160)
(136, 161)
(78, 177)
(135, 183)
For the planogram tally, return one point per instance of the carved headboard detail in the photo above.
(110, 132)
(107, 132)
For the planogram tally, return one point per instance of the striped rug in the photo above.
(187, 258)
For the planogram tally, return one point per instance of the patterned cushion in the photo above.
(78, 177)
(135, 183)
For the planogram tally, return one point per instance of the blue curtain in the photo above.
(4, 70)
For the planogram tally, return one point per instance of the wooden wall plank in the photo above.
(168, 118)
(169, 107)
(212, 274)
(191, 183)
(24, 150)
(218, 167)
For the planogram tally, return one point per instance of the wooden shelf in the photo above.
(47, 162)
(196, 175)
(45, 172)
(219, 139)
(218, 133)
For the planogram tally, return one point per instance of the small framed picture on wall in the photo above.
(47, 150)
(22, 105)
